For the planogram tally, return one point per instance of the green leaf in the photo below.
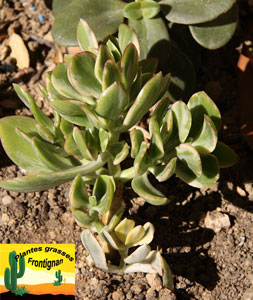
(149, 9)
(82, 74)
(136, 137)
(39, 116)
(25, 156)
(123, 228)
(133, 10)
(127, 36)
(48, 158)
(129, 66)
(109, 13)
(200, 104)
(62, 84)
(156, 150)
(103, 138)
(45, 134)
(210, 172)
(103, 55)
(70, 146)
(148, 65)
(66, 127)
(167, 126)
(71, 111)
(161, 109)
(150, 32)
(112, 102)
(113, 46)
(94, 119)
(164, 172)
(94, 249)
(182, 119)
(78, 194)
(190, 157)
(52, 92)
(138, 255)
(115, 219)
(103, 190)
(134, 236)
(206, 140)
(84, 143)
(82, 218)
(111, 74)
(144, 189)
(144, 101)
(59, 5)
(43, 182)
(216, 33)
(86, 38)
(119, 151)
(194, 11)
(141, 162)
(225, 155)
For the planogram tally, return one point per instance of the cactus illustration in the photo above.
(59, 278)
(11, 274)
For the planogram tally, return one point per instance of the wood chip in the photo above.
(19, 51)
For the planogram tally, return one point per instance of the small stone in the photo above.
(166, 294)
(248, 295)
(154, 281)
(90, 261)
(151, 294)
(52, 234)
(118, 295)
(216, 220)
(137, 288)
(241, 192)
(7, 200)
(5, 218)
(250, 278)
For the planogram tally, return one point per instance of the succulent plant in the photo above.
(59, 278)
(98, 96)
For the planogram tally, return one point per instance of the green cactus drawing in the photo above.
(59, 278)
(11, 274)
(21, 291)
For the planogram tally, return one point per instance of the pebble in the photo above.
(248, 295)
(154, 281)
(6, 200)
(151, 294)
(137, 288)
(118, 295)
(216, 221)
(166, 294)
(5, 218)
(240, 191)
(250, 278)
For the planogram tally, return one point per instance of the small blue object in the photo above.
(33, 8)
(41, 18)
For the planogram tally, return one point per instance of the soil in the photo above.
(207, 263)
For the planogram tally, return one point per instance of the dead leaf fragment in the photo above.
(19, 51)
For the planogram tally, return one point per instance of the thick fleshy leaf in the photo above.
(182, 119)
(150, 32)
(163, 269)
(149, 9)
(103, 55)
(210, 172)
(71, 148)
(82, 218)
(103, 190)
(25, 157)
(113, 45)
(133, 11)
(48, 158)
(116, 218)
(144, 101)
(126, 36)
(43, 182)
(71, 111)
(84, 141)
(206, 140)
(134, 235)
(39, 116)
(129, 65)
(164, 172)
(95, 120)
(148, 65)
(140, 267)
(119, 151)
(82, 74)
(94, 249)
(59, 5)
(194, 11)
(62, 84)
(200, 104)
(190, 157)
(136, 137)
(66, 127)
(216, 33)
(148, 235)
(144, 189)
(123, 228)
(85, 36)
(225, 155)
(103, 138)
(45, 134)
(141, 162)
(156, 150)
(78, 194)
(111, 74)
(167, 125)
(109, 13)
(112, 102)
(113, 241)
(161, 110)
(138, 255)
(52, 92)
